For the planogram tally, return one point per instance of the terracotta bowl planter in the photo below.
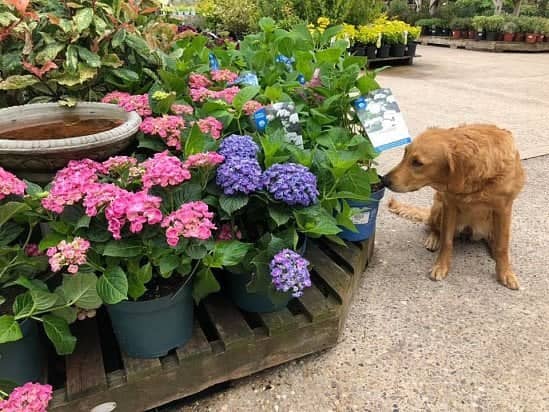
(519, 36)
(508, 36)
(456, 34)
(31, 147)
(531, 38)
(472, 34)
(540, 38)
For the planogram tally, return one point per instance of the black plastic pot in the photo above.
(398, 50)
(23, 360)
(411, 49)
(358, 50)
(491, 35)
(152, 328)
(480, 35)
(371, 51)
(383, 51)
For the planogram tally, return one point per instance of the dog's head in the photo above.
(429, 160)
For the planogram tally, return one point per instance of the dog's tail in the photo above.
(416, 214)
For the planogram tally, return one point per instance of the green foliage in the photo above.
(80, 50)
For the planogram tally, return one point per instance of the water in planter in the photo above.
(69, 126)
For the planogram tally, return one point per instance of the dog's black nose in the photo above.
(386, 180)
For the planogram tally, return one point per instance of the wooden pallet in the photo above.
(484, 45)
(227, 343)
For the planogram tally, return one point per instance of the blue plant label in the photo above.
(260, 119)
(285, 60)
(214, 63)
(382, 120)
(301, 79)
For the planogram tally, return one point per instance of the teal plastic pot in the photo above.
(152, 328)
(365, 220)
(258, 302)
(253, 302)
(23, 360)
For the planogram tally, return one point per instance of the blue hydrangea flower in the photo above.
(291, 183)
(238, 175)
(236, 146)
(290, 272)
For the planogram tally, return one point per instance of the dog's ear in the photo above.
(456, 175)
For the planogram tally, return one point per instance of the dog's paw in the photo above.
(432, 243)
(439, 272)
(509, 280)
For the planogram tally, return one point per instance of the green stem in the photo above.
(3, 394)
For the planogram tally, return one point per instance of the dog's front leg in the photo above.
(447, 233)
(500, 248)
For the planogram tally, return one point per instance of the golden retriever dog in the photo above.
(477, 174)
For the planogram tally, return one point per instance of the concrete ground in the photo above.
(463, 344)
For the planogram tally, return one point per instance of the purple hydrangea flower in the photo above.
(238, 175)
(291, 183)
(290, 272)
(235, 146)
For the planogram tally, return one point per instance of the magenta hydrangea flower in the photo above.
(168, 127)
(197, 81)
(119, 162)
(224, 75)
(209, 159)
(115, 97)
(10, 184)
(229, 232)
(99, 195)
(290, 273)
(251, 106)
(164, 170)
(136, 208)
(181, 109)
(191, 220)
(31, 397)
(32, 250)
(212, 126)
(70, 254)
(138, 103)
(71, 183)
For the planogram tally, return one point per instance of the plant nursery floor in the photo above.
(464, 344)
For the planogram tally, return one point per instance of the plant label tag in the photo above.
(284, 115)
(361, 218)
(382, 120)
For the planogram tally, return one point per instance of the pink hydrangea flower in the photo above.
(32, 250)
(197, 81)
(251, 106)
(115, 97)
(164, 170)
(224, 75)
(208, 159)
(71, 183)
(99, 195)
(182, 109)
(119, 162)
(138, 103)
(201, 94)
(228, 232)
(137, 208)
(167, 127)
(10, 184)
(227, 94)
(212, 126)
(31, 397)
(191, 220)
(70, 254)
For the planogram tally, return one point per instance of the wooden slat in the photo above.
(317, 306)
(278, 322)
(196, 347)
(85, 369)
(350, 254)
(334, 275)
(137, 368)
(228, 321)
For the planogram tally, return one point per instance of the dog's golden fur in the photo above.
(477, 174)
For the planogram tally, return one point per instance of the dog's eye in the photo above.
(416, 163)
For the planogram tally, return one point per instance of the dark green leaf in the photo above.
(244, 95)
(11, 209)
(23, 306)
(168, 264)
(204, 284)
(81, 290)
(113, 285)
(280, 214)
(9, 329)
(123, 248)
(82, 19)
(92, 59)
(231, 204)
(59, 333)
